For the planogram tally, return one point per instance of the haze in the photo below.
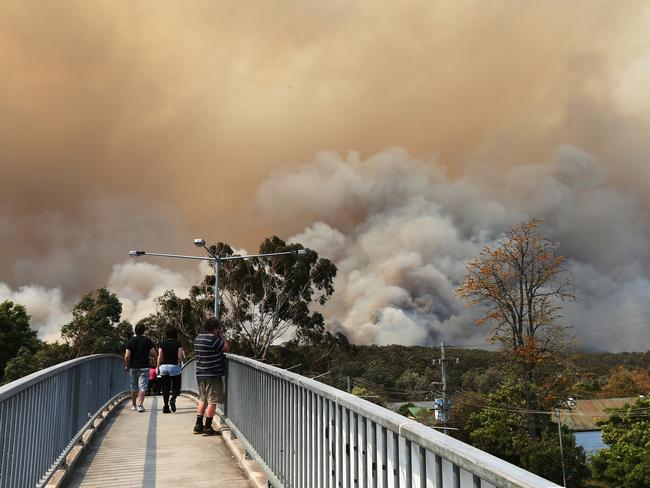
(347, 125)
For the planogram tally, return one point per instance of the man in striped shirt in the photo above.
(209, 348)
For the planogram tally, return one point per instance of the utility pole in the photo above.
(445, 410)
(559, 433)
(349, 384)
(443, 372)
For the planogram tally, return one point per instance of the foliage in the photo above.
(404, 409)
(27, 361)
(266, 297)
(316, 357)
(482, 380)
(501, 428)
(543, 456)
(626, 462)
(366, 394)
(624, 382)
(15, 332)
(520, 281)
(95, 326)
(412, 381)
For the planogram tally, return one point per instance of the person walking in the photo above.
(209, 348)
(170, 359)
(136, 360)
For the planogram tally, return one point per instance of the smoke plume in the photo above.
(146, 124)
(401, 232)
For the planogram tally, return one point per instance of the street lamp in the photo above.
(215, 260)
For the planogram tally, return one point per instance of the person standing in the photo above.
(136, 360)
(170, 359)
(209, 348)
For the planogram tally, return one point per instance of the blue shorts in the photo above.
(170, 369)
(139, 379)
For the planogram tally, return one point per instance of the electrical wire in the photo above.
(640, 412)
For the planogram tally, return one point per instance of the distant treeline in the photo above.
(397, 373)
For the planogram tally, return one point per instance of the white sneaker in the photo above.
(140, 408)
(133, 408)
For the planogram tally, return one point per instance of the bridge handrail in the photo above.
(44, 414)
(276, 412)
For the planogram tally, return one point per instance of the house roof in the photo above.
(585, 413)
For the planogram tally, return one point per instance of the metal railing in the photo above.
(188, 377)
(43, 415)
(307, 434)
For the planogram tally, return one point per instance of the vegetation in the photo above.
(261, 299)
(501, 428)
(95, 326)
(520, 282)
(266, 297)
(30, 360)
(15, 333)
(625, 382)
(626, 463)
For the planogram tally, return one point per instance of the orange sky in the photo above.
(186, 107)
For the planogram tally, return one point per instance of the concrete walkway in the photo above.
(156, 450)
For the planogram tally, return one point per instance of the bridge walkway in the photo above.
(155, 450)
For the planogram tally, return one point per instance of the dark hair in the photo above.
(171, 332)
(140, 327)
(211, 324)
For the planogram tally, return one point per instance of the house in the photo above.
(581, 418)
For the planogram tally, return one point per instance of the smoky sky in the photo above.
(146, 124)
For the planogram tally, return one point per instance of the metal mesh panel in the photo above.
(43, 413)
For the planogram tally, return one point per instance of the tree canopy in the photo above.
(95, 326)
(15, 332)
(501, 428)
(267, 297)
(520, 281)
(625, 382)
(626, 462)
(28, 360)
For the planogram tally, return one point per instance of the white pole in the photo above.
(559, 433)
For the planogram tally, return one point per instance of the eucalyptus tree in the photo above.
(95, 326)
(268, 298)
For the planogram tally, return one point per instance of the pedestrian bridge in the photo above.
(302, 433)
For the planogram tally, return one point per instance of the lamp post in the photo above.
(215, 260)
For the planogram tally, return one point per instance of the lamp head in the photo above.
(135, 254)
(301, 252)
(199, 242)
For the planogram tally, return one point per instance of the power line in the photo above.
(640, 412)
(617, 327)
(377, 386)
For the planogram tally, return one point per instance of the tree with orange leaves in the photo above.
(521, 281)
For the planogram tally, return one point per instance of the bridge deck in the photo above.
(158, 450)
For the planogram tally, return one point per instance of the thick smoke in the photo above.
(401, 232)
(194, 105)
(75, 254)
(145, 124)
(137, 285)
(46, 307)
